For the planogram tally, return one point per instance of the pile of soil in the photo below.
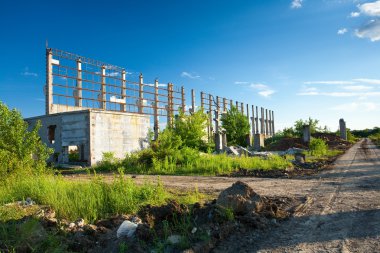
(286, 143)
(173, 227)
(333, 141)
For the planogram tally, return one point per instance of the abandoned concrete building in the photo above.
(91, 108)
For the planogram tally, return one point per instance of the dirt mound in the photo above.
(240, 198)
(286, 143)
(333, 141)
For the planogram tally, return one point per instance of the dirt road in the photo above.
(341, 214)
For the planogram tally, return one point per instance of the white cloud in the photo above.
(341, 94)
(371, 31)
(191, 76)
(239, 82)
(357, 88)
(263, 90)
(296, 4)
(159, 85)
(28, 73)
(370, 9)
(367, 80)
(266, 93)
(355, 106)
(354, 14)
(342, 31)
(330, 82)
(113, 74)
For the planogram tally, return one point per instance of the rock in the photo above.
(126, 228)
(72, 225)
(80, 222)
(194, 230)
(299, 157)
(174, 239)
(240, 198)
(29, 202)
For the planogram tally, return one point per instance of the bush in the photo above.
(318, 147)
(21, 151)
(237, 127)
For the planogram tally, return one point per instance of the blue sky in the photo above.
(300, 58)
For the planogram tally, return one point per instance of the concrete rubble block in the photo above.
(232, 150)
(127, 228)
(343, 129)
(240, 198)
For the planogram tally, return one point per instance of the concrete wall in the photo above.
(94, 132)
(120, 133)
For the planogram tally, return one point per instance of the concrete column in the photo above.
(242, 108)
(141, 94)
(262, 121)
(306, 133)
(224, 139)
(202, 101)
(103, 97)
(210, 116)
(270, 123)
(266, 123)
(247, 107)
(78, 91)
(193, 100)
(253, 120)
(343, 129)
(273, 123)
(258, 141)
(170, 105)
(49, 81)
(217, 103)
(231, 103)
(217, 135)
(224, 105)
(237, 105)
(183, 99)
(123, 107)
(257, 120)
(156, 126)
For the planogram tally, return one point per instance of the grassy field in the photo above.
(88, 200)
(205, 165)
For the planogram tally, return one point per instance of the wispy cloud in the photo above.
(296, 4)
(371, 30)
(368, 81)
(342, 31)
(29, 73)
(159, 85)
(335, 82)
(239, 82)
(358, 87)
(189, 75)
(113, 74)
(340, 94)
(263, 90)
(370, 9)
(354, 14)
(355, 106)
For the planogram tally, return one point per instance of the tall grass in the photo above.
(205, 164)
(89, 200)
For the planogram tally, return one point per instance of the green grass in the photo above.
(205, 165)
(89, 200)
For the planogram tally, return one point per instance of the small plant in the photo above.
(318, 147)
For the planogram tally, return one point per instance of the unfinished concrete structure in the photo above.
(92, 108)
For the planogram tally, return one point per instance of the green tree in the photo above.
(20, 149)
(313, 123)
(192, 129)
(236, 125)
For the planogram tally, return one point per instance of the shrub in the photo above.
(237, 127)
(20, 150)
(318, 147)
